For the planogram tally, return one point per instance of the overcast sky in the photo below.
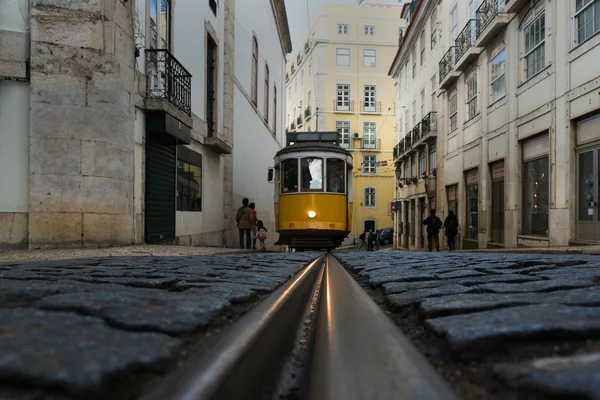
(297, 18)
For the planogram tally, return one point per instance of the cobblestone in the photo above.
(481, 304)
(76, 324)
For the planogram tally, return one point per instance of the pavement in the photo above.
(480, 307)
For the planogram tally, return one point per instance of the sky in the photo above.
(297, 17)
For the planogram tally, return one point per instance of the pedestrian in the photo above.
(451, 229)
(261, 235)
(254, 229)
(377, 238)
(371, 240)
(363, 238)
(433, 231)
(245, 222)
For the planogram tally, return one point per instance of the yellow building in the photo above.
(337, 80)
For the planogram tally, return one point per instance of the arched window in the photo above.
(254, 90)
(267, 94)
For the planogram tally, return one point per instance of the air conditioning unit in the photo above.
(356, 135)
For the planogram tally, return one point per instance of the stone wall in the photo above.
(81, 125)
(229, 237)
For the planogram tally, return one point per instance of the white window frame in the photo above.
(432, 158)
(369, 197)
(369, 98)
(453, 25)
(400, 120)
(535, 15)
(342, 98)
(422, 103)
(342, 29)
(309, 101)
(369, 164)
(471, 108)
(369, 30)
(341, 55)
(453, 111)
(413, 166)
(434, 92)
(310, 66)
(422, 162)
(367, 63)
(414, 66)
(586, 7)
(422, 44)
(369, 134)
(301, 107)
(414, 110)
(343, 129)
(433, 28)
(498, 77)
(302, 78)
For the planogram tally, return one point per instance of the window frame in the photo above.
(576, 27)
(366, 203)
(338, 128)
(493, 81)
(422, 46)
(432, 161)
(275, 108)
(422, 103)
(322, 189)
(530, 21)
(453, 113)
(342, 29)
(422, 166)
(369, 167)
(254, 72)
(327, 177)
(179, 199)
(372, 134)
(370, 95)
(267, 88)
(472, 96)
(338, 55)
(369, 30)
(373, 56)
(433, 20)
(345, 98)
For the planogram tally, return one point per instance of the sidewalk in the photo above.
(589, 250)
(125, 251)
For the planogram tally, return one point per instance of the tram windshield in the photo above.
(335, 175)
(312, 174)
(290, 175)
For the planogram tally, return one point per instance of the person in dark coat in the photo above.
(371, 240)
(451, 228)
(433, 231)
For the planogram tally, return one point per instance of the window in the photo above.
(432, 158)
(406, 121)
(369, 30)
(422, 47)
(369, 58)
(414, 109)
(453, 107)
(302, 78)
(160, 27)
(369, 135)
(413, 166)
(453, 25)
(471, 96)
(309, 101)
(275, 109)
(289, 175)
(301, 108)
(406, 172)
(310, 67)
(422, 163)
(254, 89)
(414, 66)
(369, 163)
(587, 19)
(498, 86)
(342, 102)
(189, 186)
(336, 175)
(433, 22)
(369, 98)
(422, 103)
(452, 199)
(535, 196)
(211, 87)
(369, 197)
(400, 33)
(472, 204)
(342, 29)
(535, 46)
(267, 86)
(312, 174)
(213, 6)
(400, 127)
(290, 93)
(342, 57)
(433, 93)
(343, 128)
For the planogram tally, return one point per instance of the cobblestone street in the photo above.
(529, 321)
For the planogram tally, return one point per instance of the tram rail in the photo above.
(319, 334)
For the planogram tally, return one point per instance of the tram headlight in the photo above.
(312, 214)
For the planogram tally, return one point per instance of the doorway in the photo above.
(407, 226)
(421, 218)
(498, 203)
(369, 226)
(588, 194)
(412, 218)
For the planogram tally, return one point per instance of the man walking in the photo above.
(433, 231)
(245, 222)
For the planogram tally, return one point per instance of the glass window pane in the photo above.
(289, 172)
(335, 176)
(586, 185)
(312, 174)
(535, 197)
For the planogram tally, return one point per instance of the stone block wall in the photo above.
(82, 123)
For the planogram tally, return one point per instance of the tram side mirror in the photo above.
(270, 175)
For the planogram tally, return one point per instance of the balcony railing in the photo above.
(167, 79)
(307, 112)
(416, 133)
(447, 63)
(429, 124)
(371, 144)
(344, 106)
(370, 106)
(299, 120)
(466, 39)
(293, 126)
(487, 12)
(408, 141)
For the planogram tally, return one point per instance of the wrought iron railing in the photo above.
(371, 143)
(408, 141)
(293, 126)
(447, 62)
(487, 12)
(429, 123)
(416, 133)
(370, 106)
(299, 120)
(396, 151)
(307, 112)
(346, 106)
(167, 79)
(466, 39)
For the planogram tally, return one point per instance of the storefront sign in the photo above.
(498, 170)
(471, 177)
(393, 205)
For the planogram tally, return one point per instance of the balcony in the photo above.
(299, 121)
(491, 19)
(370, 107)
(514, 6)
(293, 126)
(307, 113)
(416, 134)
(168, 80)
(408, 142)
(343, 106)
(446, 66)
(429, 125)
(466, 51)
(370, 144)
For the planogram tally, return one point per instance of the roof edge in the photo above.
(413, 18)
(283, 28)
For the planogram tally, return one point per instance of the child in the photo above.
(261, 235)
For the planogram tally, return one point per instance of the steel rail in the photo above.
(239, 364)
(361, 354)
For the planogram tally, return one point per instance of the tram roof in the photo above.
(312, 141)
(312, 146)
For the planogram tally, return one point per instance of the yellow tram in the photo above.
(313, 191)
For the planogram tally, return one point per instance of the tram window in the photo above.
(312, 174)
(289, 181)
(335, 175)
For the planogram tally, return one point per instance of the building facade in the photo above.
(518, 116)
(120, 123)
(337, 81)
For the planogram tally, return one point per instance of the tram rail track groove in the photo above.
(319, 336)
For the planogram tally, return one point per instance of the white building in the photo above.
(518, 116)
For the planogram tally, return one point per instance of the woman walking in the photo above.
(451, 227)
